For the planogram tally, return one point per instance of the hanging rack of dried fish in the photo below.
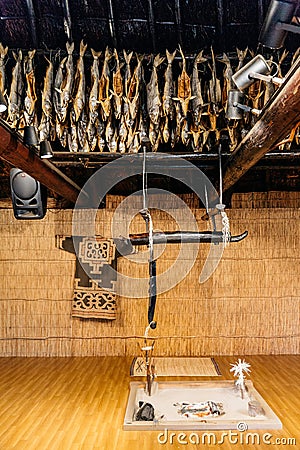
(88, 101)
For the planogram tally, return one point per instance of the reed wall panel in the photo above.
(250, 304)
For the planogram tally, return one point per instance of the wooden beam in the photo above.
(277, 119)
(19, 155)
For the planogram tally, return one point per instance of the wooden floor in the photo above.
(79, 403)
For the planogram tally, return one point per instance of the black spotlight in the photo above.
(30, 136)
(45, 150)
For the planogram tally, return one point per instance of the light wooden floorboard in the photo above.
(79, 404)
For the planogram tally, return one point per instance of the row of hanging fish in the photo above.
(113, 102)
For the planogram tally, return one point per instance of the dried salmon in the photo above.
(227, 76)
(117, 88)
(47, 91)
(104, 96)
(154, 104)
(133, 96)
(197, 99)
(93, 97)
(58, 80)
(184, 91)
(30, 96)
(169, 88)
(79, 100)
(67, 84)
(16, 92)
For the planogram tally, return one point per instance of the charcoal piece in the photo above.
(145, 412)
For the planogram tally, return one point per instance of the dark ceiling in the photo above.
(146, 26)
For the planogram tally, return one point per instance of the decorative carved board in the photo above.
(168, 393)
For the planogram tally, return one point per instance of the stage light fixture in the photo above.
(30, 137)
(235, 107)
(46, 150)
(278, 22)
(256, 69)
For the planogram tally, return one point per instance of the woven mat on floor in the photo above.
(177, 367)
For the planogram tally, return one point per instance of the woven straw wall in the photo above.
(250, 305)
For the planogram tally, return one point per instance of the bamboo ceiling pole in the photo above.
(276, 121)
(19, 155)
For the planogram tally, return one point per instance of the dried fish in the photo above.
(58, 81)
(184, 91)
(215, 93)
(232, 129)
(79, 100)
(227, 74)
(158, 141)
(44, 128)
(131, 133)
(166, 131)
(153, 133)
(133, 95)
(135, 145)
(67, 85)
(3, 53)
(81, 128)
(101, 143)
(295, 56)
(100, 133)
(123, 132)
(179, 119)
(72, 135)
(117, 88)
(127, 77)
(91, 135)
(30, 97)
(122, 147)
(86, 148)
(197, 100)
(215, 99)
(93, 98)
(113, 143)
(173, 138)
(169, 89)
(104, 90)
(47, 91)
(185, 134)
(142, 129)
(281, 59)
(153, 96)
(196, 139)
(241, 54)
(62, 133)
(109, 131)
(16, 92)
(255, 93)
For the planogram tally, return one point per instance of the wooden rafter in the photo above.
(19, 155)
(278, 118)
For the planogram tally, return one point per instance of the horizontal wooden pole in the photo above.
(19, 155)
(276, 121)
(174, 237)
